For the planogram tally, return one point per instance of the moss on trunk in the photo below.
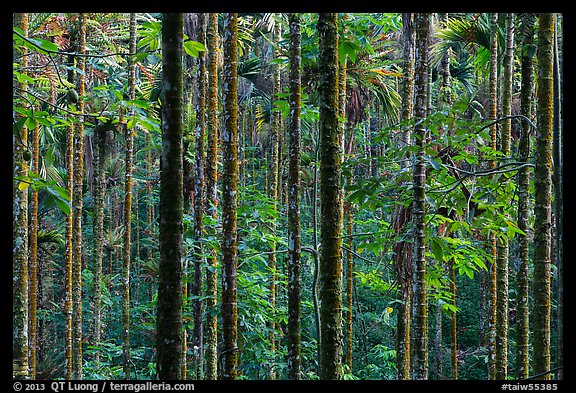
(330, 194)
(169, 314)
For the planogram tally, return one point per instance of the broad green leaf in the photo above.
(437, 249)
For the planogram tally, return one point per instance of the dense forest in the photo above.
(287, 196)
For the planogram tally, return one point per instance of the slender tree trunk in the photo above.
(543, 191)
(69, 250)
(522, 278)
(126, 255)
(20, 240)
(229, 198)
(294, 237)
(77, 203)
(558, 180)
(169, 314)
(330, 194)
(453, 325)
(492, 268)
(273, 194)
(33, 257)
(212, 197)
(199, 195)
(349, 211)
(420, 360)
(501, 360)
(402, 251)
(99, 192)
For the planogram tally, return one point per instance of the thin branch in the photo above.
(492, 171)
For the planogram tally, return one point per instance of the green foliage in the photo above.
(467, 199)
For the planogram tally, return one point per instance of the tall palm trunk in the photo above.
(294, 237)
(492, 271)
(229, 198)
(169, 313)
(212, 197)
(33, 261)
(20, 241)
(126, 252)
(77, 203)
(420, 354)
(558, 180)
(402, 251)
(522, 283)
(99, 193)
(330, 194)
(273, 193)
(199, 195)
(543, 191)
(502, 244)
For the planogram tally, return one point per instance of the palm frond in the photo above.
(464, 37)
(50, 236)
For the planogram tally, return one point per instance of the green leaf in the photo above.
(437, 249)
(45, 44)
(193, 47)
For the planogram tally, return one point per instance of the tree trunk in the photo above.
(169, 317)
(126, 255)
(229, 198)
(558, 180)
(199, 195)
(492, 270)
(402, 251)
(522, 278)
(273, 194)
(77, 203)
(420, 357)
(501, 359)
(294, 237)
(33, 258)
(543, 190)
(20, 241)
(212, 197)
(98, 227)
(330, 194)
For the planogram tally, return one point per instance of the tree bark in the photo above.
(77, 202)
(543, 191)
(402, 251)
(294, 237)
(330, 194)
(212, 197)
(229, 198)
(273, 194)
(20, 241)
(169, 314)
(420, 354)
(492, 268)
(199, 195)
(126, 255)
(522, 277)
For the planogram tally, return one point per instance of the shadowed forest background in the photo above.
(360, 196)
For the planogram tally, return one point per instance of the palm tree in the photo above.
(212, 196)
(20, 241)
(330, 194)
(229, 199)
(169, 313)
(526, 31)
(294, 238)
(77, 202)
(543, 191)
(420, 354)
(199, 195)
